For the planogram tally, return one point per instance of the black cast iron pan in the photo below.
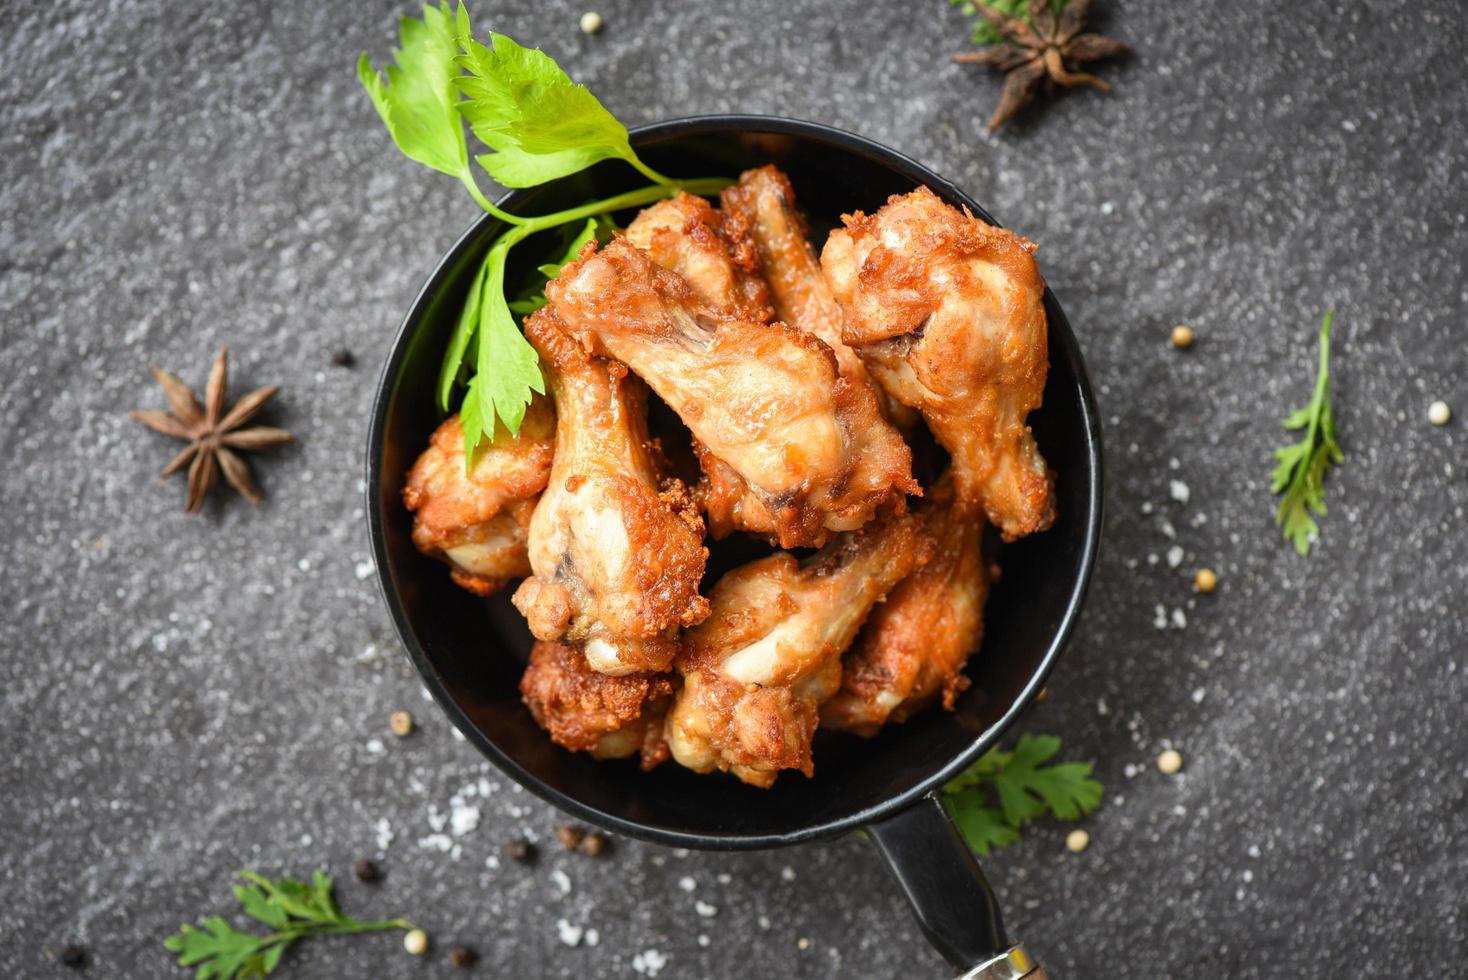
(471, 651)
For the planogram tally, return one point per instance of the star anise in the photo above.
(1041, 53)
(212, 434)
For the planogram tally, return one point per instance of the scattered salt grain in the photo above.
(384, 833)
(1174, 556)
(1159, 617)
(787, 873)
(687, 884)
(649, 962)
(569, 934)
(705, 909)
(1179, 491)
(1179, 619)
(363, 569)
(462, 819)
(562, 880)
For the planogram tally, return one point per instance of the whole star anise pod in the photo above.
(212, 434)
(1041, 53)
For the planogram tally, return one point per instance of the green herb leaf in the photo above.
(540, 124)
(255, 902)
(1300, 467)
(219, 950)
(508, 367)
(983, 827)
(418, 101)
(984, 32)
(291, 909)
(464, 331)
(1025, 788)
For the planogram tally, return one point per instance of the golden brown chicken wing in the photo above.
(686, 235)
(916, 643)
(617, 557)
(763, 399)
(588, 711)
(756, 671)
(764, 204)
(476, 521)
(948, 314)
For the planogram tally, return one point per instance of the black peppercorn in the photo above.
(520, 850)
(343, 358)
(74, 957)
(462, 956)
(366, 870)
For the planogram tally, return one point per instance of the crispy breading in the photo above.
(476, 521)
(756, 671)
(916, 643)
(764, 399)
(617, 550)
(948, 314)
(588, 711)
(686, 235)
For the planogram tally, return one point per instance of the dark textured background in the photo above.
(184, 696)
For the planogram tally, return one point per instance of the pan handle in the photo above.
(953, 903)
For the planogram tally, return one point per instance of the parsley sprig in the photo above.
(984, 32)
(1024, 788)
(289, 909)
(539, 126)
(1300, 467)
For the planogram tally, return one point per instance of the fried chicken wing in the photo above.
(763, 399)
(916, 643)
(476, 521)
(587, 711)
(764, 203)
(686, 235)
(947, 312)
(617, 557)
(762, 207)
(756, 671)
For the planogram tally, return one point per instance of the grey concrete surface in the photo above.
(181, 697)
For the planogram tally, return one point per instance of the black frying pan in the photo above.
(471, 651)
